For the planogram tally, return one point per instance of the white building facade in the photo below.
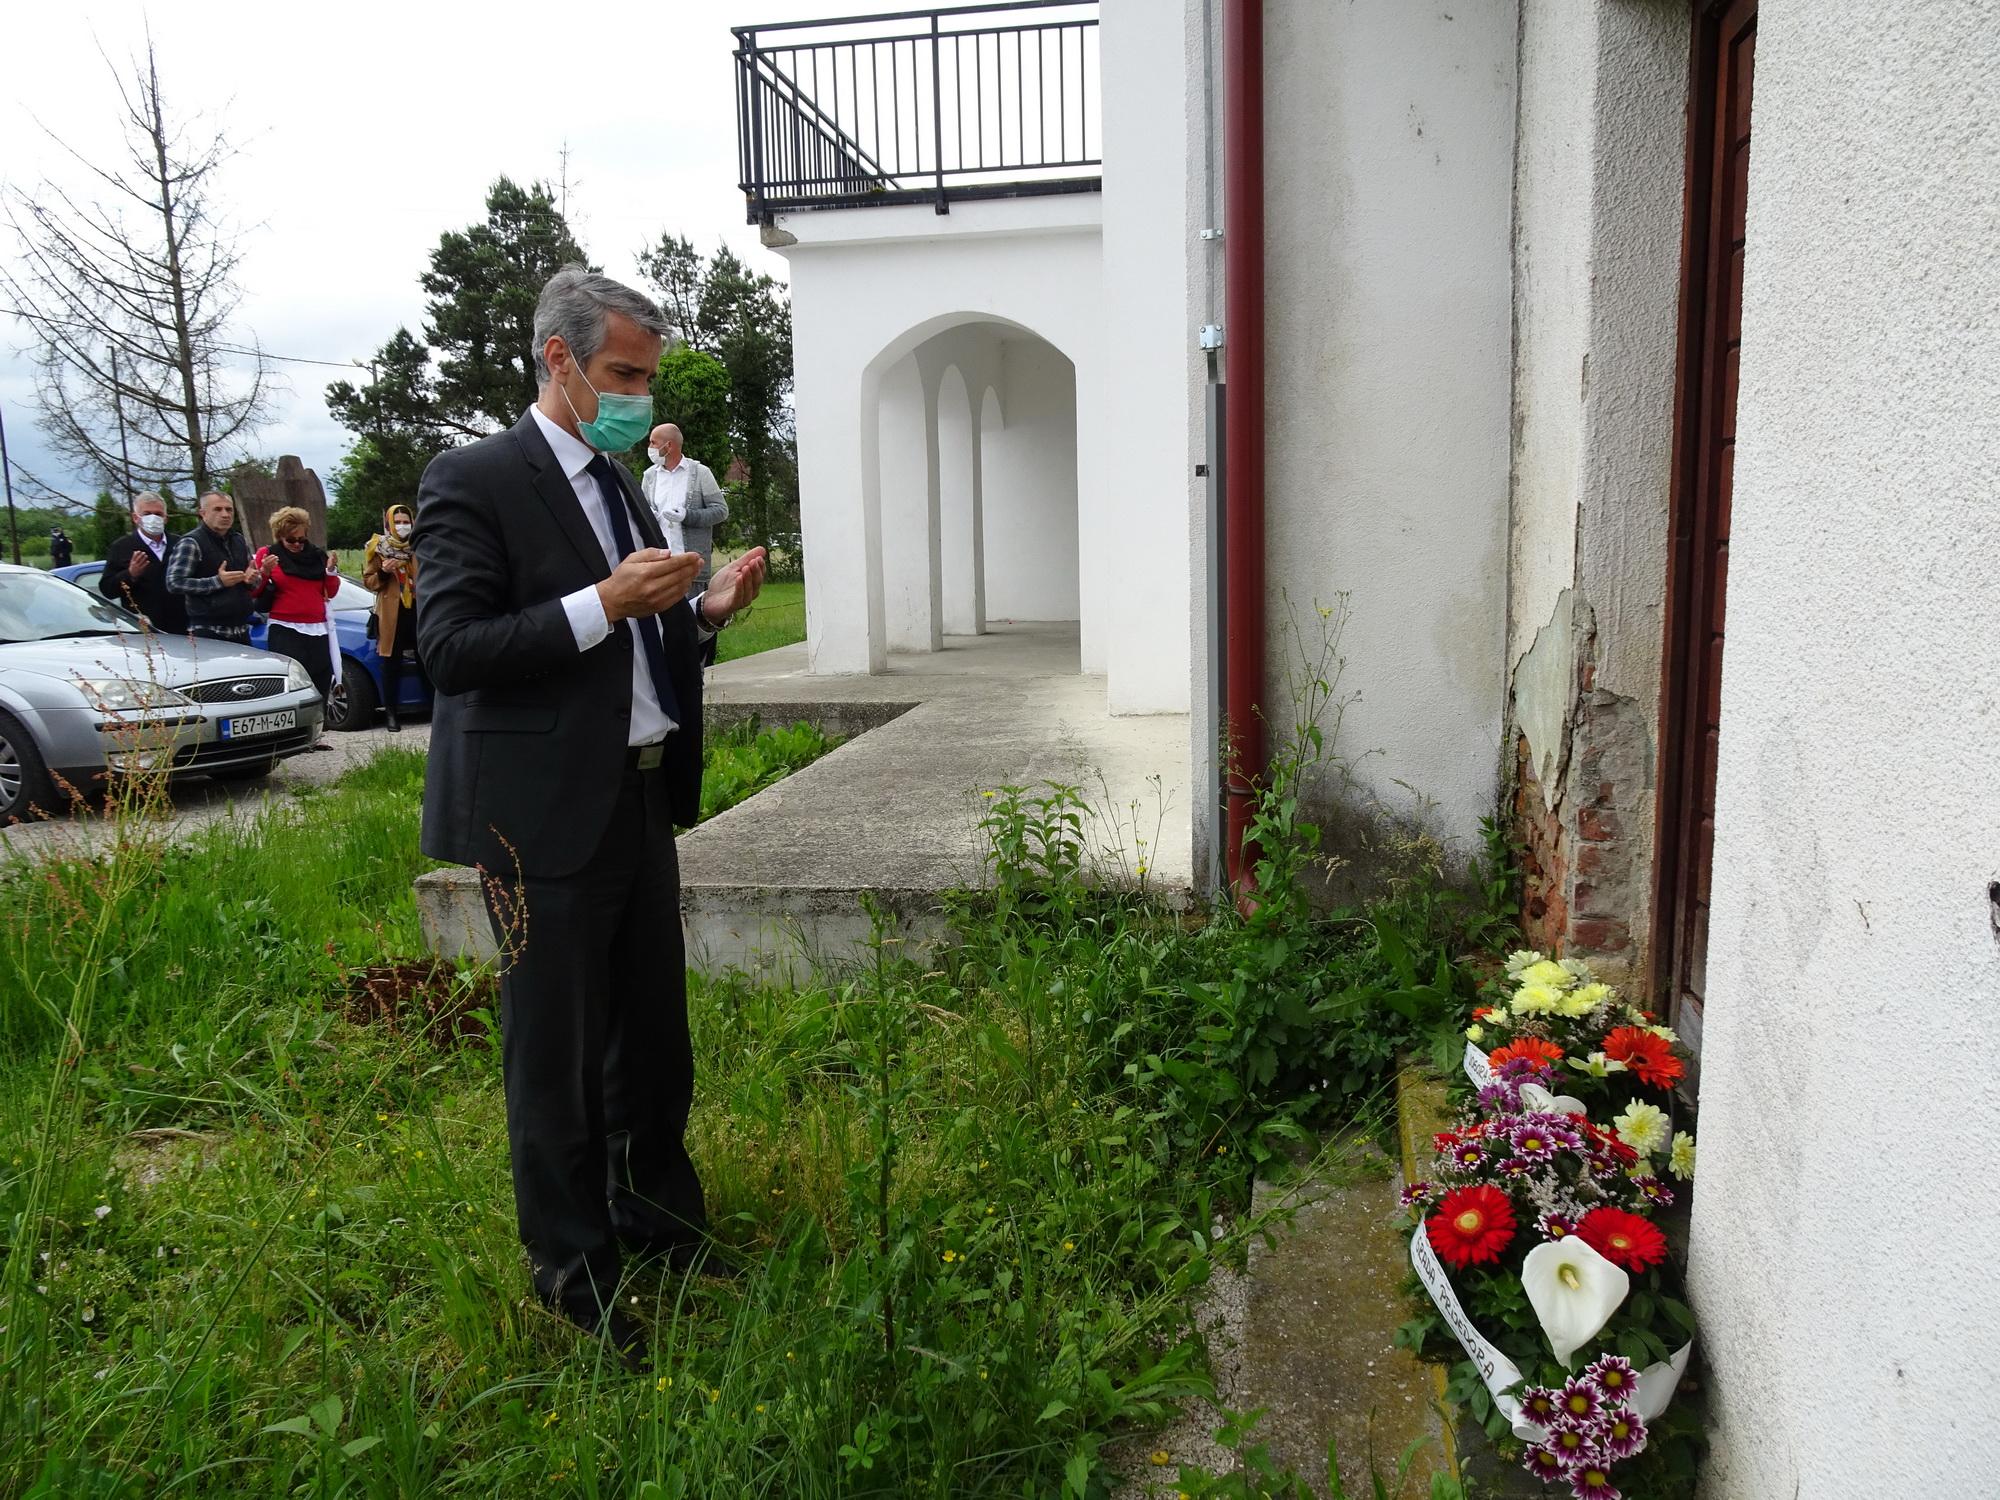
(1572, 377)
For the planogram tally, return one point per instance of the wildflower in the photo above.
(1142, 867)
(1613, 1376)
(760, 1408)
(788, 1355)
(1623, 1239)
(950, 1256)
(714, 1395)
(989, 1210)
(1680, 1160)
(982, 1374)
(380, 1118)
(1651, 1059)
(103, 1212)
(663, 1382)
(1574, 1291)
(1642, 1126)
(987, 795)
(1161, 1458)
(1472, 1226)
(551, 1419)
(1532, 1049)
(1068, 1245)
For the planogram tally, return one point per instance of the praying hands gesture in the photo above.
(733, 587)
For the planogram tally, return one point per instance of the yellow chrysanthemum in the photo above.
(1475, 1033)
(1535, 1000)
(1642, 1126)
(1584, 999)
(1680, 1161)
(1554, 975)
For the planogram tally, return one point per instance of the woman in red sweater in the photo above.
(300, 580)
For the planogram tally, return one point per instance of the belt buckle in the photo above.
(649, 757)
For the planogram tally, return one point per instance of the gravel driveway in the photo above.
(199, 801)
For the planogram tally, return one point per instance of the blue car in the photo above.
(359, 694)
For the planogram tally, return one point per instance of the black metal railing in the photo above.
(922, 106)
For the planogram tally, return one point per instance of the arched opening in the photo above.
(973, 488)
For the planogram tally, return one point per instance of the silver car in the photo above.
(87, 692)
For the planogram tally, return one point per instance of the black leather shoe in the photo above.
(625, 1337)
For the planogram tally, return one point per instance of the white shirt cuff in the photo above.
(587, 620)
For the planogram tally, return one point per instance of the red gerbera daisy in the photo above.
(1471, 1226)
(1623, 1239)
(1650, 1057)
(1535, 1049)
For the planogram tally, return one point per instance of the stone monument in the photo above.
(259, 496)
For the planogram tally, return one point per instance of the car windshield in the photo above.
(36, 607)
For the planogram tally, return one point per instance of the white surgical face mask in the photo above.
(658, 457)
(153, 526)
(402, 529)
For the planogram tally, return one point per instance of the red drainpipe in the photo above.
(1243, 367)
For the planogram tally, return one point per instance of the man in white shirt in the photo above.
(566, 743)
(685, 497)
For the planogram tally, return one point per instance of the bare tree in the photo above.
(127, 294)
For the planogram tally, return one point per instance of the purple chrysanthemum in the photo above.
(1533, 1142)
(1513, 1166)
(1556, 1227)
(1592, 1481)
(1468, 1154)
(1575, 1441)
(1541, 1405)
(1546, 1465)
(1654, 1191)
(1614, 1377)
(1416, 1194)
(1622, 1432)
(1603, 1165)
(1579, 1401)
(1500, 1099)
(1520, 1070)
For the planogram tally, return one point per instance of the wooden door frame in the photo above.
(1679, 733)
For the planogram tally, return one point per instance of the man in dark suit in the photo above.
(565, 745)
(135, 569)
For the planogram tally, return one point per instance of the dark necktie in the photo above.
(615, 503)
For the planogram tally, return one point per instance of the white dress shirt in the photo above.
(667, 490)
(587, 620)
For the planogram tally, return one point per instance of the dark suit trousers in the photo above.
(598, 1067)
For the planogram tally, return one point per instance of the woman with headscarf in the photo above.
(390, 570)
(299, 580)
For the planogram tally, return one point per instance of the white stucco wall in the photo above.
(1389, 151)
(1031, 494)
(910, 608)
(1844, 1218)
(870, 286)
(1151, 78)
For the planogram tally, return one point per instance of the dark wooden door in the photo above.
(1711, 331)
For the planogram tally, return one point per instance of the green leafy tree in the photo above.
(473, 371)
(483, 284)
(691, 390)
(742, 317)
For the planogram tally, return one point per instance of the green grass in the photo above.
(743, 760)
(778, 618)
(254, 1248)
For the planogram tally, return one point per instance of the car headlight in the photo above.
(125, 695)
(297, 678)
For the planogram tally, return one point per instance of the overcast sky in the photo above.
(367, 129)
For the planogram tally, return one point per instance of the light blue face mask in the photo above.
(621, 420)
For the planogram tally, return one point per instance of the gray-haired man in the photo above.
(565, 744)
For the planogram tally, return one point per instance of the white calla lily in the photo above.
(1536, 1100)
(1573, 1290)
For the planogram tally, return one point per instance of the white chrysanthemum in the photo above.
(1521, 960)
(1578, 968)
(1554, 975)
(1680, 1161)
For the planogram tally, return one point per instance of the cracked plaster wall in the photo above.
(1843, 1228)
(1597, 215)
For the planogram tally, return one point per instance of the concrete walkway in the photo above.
(896, 810)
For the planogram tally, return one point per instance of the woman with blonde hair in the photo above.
(300, 579)
(389, 571)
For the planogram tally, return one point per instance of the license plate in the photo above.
(252, 725)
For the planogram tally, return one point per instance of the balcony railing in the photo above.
(926, 106)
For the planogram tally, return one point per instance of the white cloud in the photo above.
(366, 130)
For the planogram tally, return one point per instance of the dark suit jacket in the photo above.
(148, 593)
(528, 737)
